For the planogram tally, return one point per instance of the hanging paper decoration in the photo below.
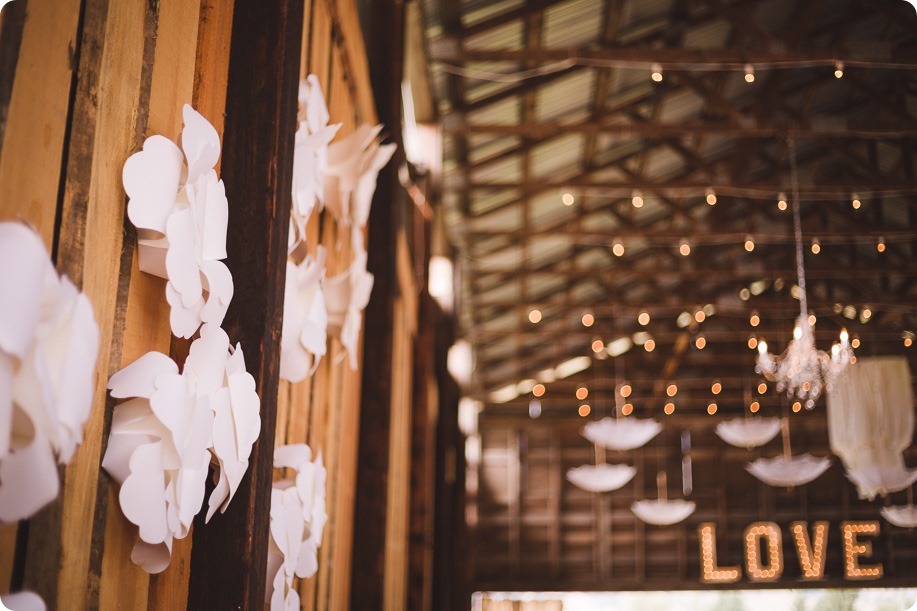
(788, 471)
(180, 211)
(346, 296)
(663, 512)
(871, 424)
(298, 518)
(874, 480)
(904, 516)
(49, 342)
(310, 157)
(354, 163)
(163, 438)
(22, 601)
(305, 318)
(748, 433)
(622, 433)
(601, 477)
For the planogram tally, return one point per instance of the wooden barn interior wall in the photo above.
(82, 84)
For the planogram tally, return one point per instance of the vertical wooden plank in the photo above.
(367, 587)
(228, 561)
(11, 22)
(36, 127)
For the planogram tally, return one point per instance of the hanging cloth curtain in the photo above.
(871, 423)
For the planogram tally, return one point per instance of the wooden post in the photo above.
(229, 556)
(384, 51)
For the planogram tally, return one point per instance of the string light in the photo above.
(671, 390)
(649, 345)
(700, 315)
(597, 345)
(865, 314)
(684, 248)
(711, 572)
(753, 342)
(637, 199)
(711, 196)
(584, 410)
(618, 249)
(700, 342)
(643, 318)
(755, 319)
(811, 319)
(781, 201)
(880, 245)
(855, 342)
(567, 199)
(754, 407)
(669, 408)
(854, 548)
(838, 69)
(716, 388)
(753, 535)
(855, 201)
(797, 406)
(811, 553)
(656, 74)
(749, 243)
(535, 317)
(749, 73)
(762, 387)
(744, 294)
(711, 409)
(627, 409)
(588, 319)
(538, 390)
(908, 337)
(816, 246)
(582, 392)
(626, 390)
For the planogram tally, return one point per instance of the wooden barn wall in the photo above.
(82, 84)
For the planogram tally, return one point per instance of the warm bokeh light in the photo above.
(582, 392)
(650, 345)
(588, 319)
(700, 342)
(762, 388)
(671, 390)
(797, 406)
(626, 390)
(627, 409)
(754, 407)
(711, 409)
(535, 316)
(643, 318)
(618, 249)
(716, 388)
(669, 408)
(567, 199)
(538, 390)
(597, 345)
(584, 410)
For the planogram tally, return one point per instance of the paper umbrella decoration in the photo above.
(178, 205)
(601, 477)
(788, 471)
(663, 512)
(903, 516)
(621, 433)
(748, 433)
(346, 296)
(49, 342)
(874, 480)
(354, 163)
(305, 318)
(23, 601)
(310, 157)
(298, 517)
(173, 426)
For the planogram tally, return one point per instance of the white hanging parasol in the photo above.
(788, 470)
(904, 516)
(601, 477)
(873, 480)
(748, 432)
(663, 511)
(621, 433)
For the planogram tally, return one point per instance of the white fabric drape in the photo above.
(871, 420)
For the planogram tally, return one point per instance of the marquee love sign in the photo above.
(811, 550)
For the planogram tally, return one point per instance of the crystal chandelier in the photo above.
(802, 370)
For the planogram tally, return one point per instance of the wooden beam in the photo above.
(229, 556)
(591, 186)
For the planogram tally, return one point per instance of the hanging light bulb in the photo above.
(535, 316)
(625, 390)
(717, 387)
(567, 199)
(855, 201)
(671, 390)
(838, 69)
(656, 73)
(637, 199)
(684, 248)
(669, 408)
(749, 73)
(538, 390)
(700, 342)
(618, 249)
(816, 246)
(754, 320)
(711, 196)
(752, 342)
(711, 409)
(700, 315)
(598, 345)
(754, 407)
(781, 201)
(749, 243)
(582, 392)
(880, 245)
(643, 318)
(588, 319)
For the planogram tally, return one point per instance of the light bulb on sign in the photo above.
(749, 73)
(637, 199)
(656, 73)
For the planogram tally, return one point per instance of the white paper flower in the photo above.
(663, 512)
(305, 319)
(748, 433)
(49, 342)
(622, 433)
(162, 439)
(310, 157)
(354, 163)
(788, 471)
(346, 296)
(181, 213)
(600, 478)
(298, 517)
